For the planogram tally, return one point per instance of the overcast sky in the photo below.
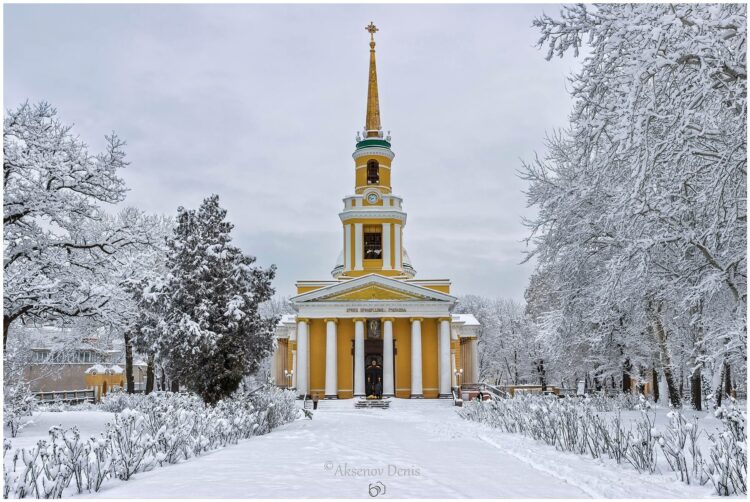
(261, 104)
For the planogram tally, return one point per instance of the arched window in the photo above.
(373, 172)
(373, 242)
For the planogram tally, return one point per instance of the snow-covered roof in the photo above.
(58, 338)
(96, 369)
(466, 319)
(405, 259)
(288, 319)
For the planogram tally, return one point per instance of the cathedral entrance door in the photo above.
(374, 367)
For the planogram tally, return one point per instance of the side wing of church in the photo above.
(374, 329)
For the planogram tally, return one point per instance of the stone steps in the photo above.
(382, 404)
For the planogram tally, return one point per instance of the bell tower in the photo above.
(373, 218)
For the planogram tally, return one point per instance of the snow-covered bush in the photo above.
(578, 426)
(279, 407)
(117, 401)
(616, 402)
(132, 445)
(60, 406)
(641, 453)
(727, 463)
(18, 405)
(148, 431)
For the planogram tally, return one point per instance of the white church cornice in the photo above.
(366, 212)
(374, 150)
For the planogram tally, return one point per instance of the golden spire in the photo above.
(372, 121)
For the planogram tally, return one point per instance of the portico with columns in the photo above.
(374, 329)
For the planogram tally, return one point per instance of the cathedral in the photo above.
(374, 329)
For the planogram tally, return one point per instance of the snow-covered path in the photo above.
(415, 449)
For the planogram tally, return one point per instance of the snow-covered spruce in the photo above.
(147, 432)
(577, 425)
(202, 316)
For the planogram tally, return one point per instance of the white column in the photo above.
(359, 357)
(453, 368)
(474, 377)
(444, 358)
(397, 246)
(388, 357)
(331, 363)
(294, 369)
(347, 247)
(302, 358)
(386, 246)
(416, 358)
(358, 246)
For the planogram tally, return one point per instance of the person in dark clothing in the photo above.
(379, 389)
(315, 401)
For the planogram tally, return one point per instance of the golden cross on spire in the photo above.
(372, 121)
(371, 29)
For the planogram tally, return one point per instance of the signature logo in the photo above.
(376, 489)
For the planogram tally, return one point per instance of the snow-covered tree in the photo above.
(134, 265)
(640, 236)
(206, 321)
(507, 349)
(276, 307)
(53, 187)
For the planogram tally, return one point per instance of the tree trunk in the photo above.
(682, 380)
(175, 386)
(696, 376)
(641, 385)
(150, 374)
(163, 381)
(718, 392)
(695, 389)
(626, 383)
(129, 378)
(542, 374)
(727, 379)
(6, 328)
(666, 361)
(655, 384)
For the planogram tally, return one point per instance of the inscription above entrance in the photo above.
(375, 309)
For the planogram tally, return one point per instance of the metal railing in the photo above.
(493, 391)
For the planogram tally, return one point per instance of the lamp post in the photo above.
(459, 373)
(289, 376)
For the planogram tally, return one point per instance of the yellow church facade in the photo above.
(374, 329)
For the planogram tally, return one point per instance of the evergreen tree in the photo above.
(209, 330)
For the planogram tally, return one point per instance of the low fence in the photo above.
(67, 396)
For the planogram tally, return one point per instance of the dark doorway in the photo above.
(373, 367)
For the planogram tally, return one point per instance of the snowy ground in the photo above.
(415, 449)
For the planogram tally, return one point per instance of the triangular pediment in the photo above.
(373, 292)
(372, 287)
